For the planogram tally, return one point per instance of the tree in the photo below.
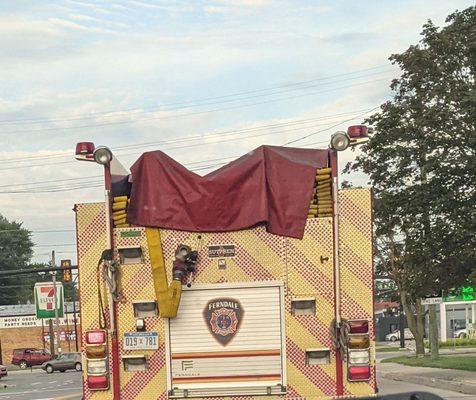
(421, 162)
(16, 249)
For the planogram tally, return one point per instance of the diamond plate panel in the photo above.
(306, 267)
(356, 270)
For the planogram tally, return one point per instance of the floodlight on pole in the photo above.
(102, 155)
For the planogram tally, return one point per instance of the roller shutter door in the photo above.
(227, 341)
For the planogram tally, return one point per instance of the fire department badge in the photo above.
(223, 317)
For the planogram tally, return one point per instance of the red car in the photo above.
(28, 357)
(3, 370)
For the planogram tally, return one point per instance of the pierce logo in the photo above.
(223, 317)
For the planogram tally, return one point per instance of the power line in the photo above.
(334, 126)
(37, 231)
(188, 103)
(55, 245)
(191, 138)
(205, 137)
(93, 184)
(187, 114)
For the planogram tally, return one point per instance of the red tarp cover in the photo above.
(270, 185)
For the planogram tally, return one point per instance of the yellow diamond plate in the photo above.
(305, 266)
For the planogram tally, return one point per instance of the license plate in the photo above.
(141, 341)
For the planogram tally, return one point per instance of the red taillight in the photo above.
(359, 373)
(358, 326)
(84, 148)
(98, 382)
(356, 131)
(96, 337)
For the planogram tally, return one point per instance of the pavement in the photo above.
(446, 379)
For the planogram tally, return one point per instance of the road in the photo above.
(38, 385)
(388, 386)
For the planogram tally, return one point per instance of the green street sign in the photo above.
(44, 300)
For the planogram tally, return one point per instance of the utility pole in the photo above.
(53, 265)
(52, 338)
(74, 313)
(67, 335)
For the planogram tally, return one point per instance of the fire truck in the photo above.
(253, 280)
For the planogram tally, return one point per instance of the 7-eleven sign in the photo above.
(45, 300)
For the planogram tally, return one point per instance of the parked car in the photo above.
(460, 333)
(63, 362)
(28, 357)
(395, 335)
(3, 370)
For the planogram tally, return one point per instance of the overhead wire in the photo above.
(334, 126)
(204, 137)
(298, 85)
(188, 138)
(92, 184)
(188, 114)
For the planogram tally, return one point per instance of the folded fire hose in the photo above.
(168, 296)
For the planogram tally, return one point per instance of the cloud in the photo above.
(72, 59)
(245, 3)
(64, 23)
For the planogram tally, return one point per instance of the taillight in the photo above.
(358, 351)
(97, 359)
(359, 373)
(97, 367)
(96, 337)
(358, 326)
(98, 382)
(359, 357)
(358, 342)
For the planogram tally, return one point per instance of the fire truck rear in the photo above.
(180, 312)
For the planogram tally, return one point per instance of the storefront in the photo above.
(19, 328)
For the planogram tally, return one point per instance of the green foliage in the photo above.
(422, 161)
(15, 253)
(462, 362)
(457, 342)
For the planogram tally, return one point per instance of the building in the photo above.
(19, 328)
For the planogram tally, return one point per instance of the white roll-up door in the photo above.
(227, 340)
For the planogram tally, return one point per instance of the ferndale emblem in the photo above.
(223, 317)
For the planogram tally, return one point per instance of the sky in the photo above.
(205, 81)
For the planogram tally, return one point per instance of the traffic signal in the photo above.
(66, 272)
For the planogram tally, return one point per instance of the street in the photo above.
(389, 386)
(37, 385)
